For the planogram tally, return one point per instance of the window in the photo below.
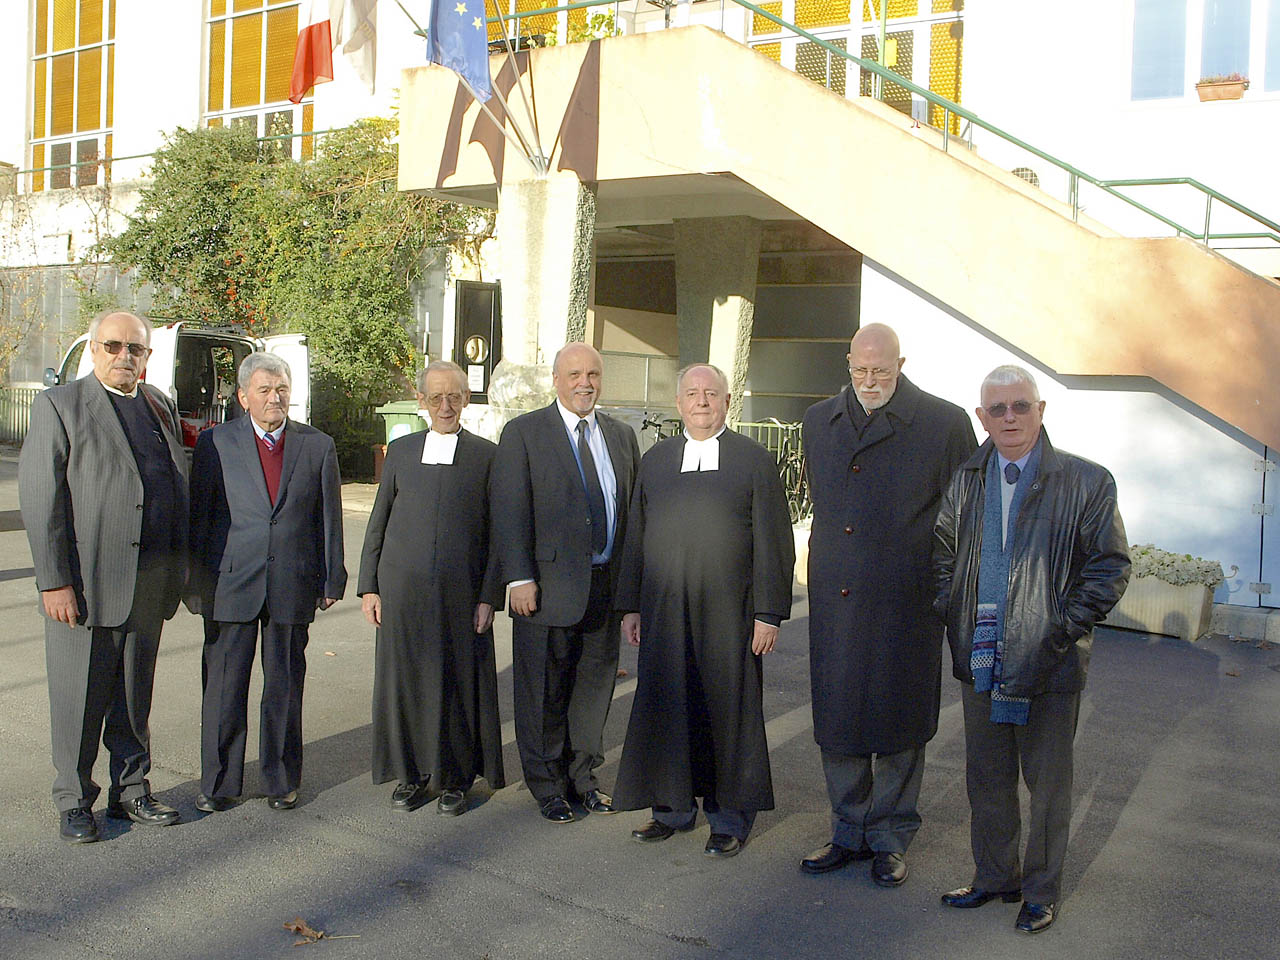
(1225, 47)
(1159, 48)
(250, 61)
(1273, 46)
(72, 66)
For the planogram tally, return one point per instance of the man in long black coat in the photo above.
(879, 454)
(430, 584)
(706, 579)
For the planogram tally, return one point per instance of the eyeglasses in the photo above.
(1020, 408)
(883, 374)
(455, 399)
(115, 346)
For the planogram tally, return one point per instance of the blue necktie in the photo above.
(595, 493)
(1011, 473)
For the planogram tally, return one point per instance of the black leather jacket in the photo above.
(1070, 565)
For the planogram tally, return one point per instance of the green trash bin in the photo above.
(401, 417)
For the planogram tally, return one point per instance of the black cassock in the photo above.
(426, 554)
(706, 552)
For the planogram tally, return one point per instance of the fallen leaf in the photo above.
(303, 929)
(330, 653)
(1232, 673)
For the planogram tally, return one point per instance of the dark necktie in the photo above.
(1012, 472)
(595, 495)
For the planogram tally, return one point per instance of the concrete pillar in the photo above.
(545, 231)
(716, 263)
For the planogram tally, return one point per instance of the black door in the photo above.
(477, 344)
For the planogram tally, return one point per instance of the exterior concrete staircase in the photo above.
(688, 123)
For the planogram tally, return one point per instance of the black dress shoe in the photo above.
(832, 857)
(889, 869)
(77, 825)
(722, 845)
(214, 804)
(598, 802)
(653, 832)
(968, 897)
(1034, 917)
(556, 809)
(452, 803)
(146, 810)
(286, 801)
(409, 796)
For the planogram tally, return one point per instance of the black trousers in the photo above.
(226, 670)
(100, 681)
(564, 679)
(993, 754)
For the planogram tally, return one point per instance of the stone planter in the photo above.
(1153, 606)
(1223, 90)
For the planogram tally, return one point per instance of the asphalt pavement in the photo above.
(1173, 853)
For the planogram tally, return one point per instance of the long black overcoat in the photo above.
(875, 647)
(426, 554)
(706, 553)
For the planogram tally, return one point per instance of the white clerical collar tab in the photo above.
(439, 447)
(700, 455)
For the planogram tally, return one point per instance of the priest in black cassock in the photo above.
(705, 582)
(430, 584)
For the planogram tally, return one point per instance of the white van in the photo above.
(197, 367)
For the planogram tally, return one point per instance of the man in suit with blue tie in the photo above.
(561, 487)
(102, 484)
(266, 553)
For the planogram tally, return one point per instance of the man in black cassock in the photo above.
(430, 585)
(706, 580)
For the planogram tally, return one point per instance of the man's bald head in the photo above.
(874, 364)
(576, 373)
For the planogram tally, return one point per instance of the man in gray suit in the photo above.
(561, 486)
(102, 483)
(266, 553)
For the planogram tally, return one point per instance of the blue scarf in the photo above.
(993, 591)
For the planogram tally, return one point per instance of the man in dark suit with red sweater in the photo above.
(266, 544)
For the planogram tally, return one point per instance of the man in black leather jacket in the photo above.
(1030, 554)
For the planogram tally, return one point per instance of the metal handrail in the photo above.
(107, 161)
(950, 107)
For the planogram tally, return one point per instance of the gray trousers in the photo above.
(874, 798)
(736, 823)
(100, 681)
(993, 754)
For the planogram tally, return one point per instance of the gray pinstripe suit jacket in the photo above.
(81, 498)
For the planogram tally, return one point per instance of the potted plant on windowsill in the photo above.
(1229, 86)
(1168, 593)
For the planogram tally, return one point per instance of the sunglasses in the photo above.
(1020, 408)
(115, 346)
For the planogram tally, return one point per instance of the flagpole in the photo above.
(538, 164)
(515, 68)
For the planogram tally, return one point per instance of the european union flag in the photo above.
(457, 39)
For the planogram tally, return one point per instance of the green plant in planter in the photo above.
(1176, 568)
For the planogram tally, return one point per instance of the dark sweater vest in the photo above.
(160, 503)
(271, 460)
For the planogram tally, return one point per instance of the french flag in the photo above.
(328, 24)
